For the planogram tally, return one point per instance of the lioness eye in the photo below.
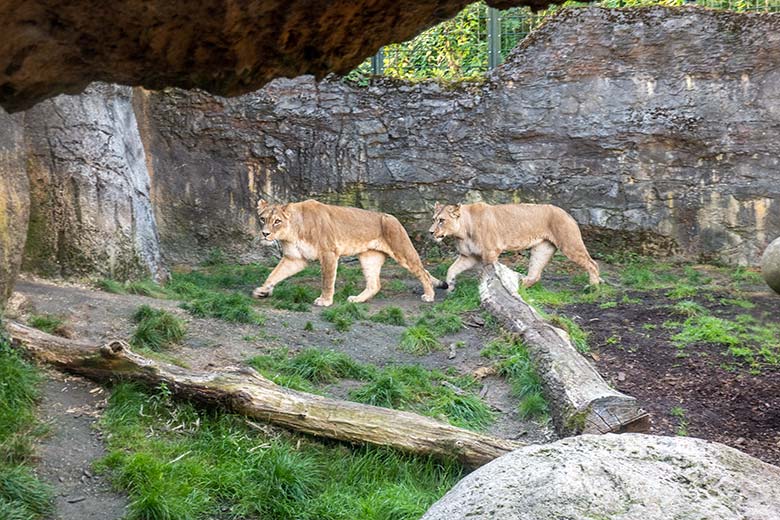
(441, 221)
(277, 222)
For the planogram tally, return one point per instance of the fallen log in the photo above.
(579, 398)
(244, 391)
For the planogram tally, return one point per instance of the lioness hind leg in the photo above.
(541, 254)
(371, 262)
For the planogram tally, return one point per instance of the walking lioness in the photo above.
(483, 232)
(311, 230)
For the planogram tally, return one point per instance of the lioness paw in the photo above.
(427, 298)
(323, 302)
(262, 292)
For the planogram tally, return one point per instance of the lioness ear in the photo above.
(261, 205)
(455, 211)
(437, 207)
(284, 210)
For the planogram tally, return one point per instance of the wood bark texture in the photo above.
(245, 391)
(580, 400)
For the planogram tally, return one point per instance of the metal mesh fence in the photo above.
(479, 37)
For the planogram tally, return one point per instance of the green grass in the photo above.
(419, 340)
(47, 323)
(682, 422)
(215, 466)
(513, 362)
(156, 329)
(689, 308)
(389, 316)
(683, 291)
(344, 315)
(537, 294)
(22, 495)
(744, 338)
(744, 275)
(579, 337)
(111, 286)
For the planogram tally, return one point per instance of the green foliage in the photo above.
(440, 323)
(214, 466)
(514, 363)
(145, 288)
(47, 323)
(156, 329)
(390, 316)
(537, 294)
(419, 340)
(22, 495)
(344, 315)
(683, 291)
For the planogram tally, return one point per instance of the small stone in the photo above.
(740, 441)
(621, 376)
(87, 473)
(76, 499)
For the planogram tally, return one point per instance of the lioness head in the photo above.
(274, 221)
(446, 221)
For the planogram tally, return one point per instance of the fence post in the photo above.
(494, 37)
(378, 62)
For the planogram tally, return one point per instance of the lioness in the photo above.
(483, 232)
(311, 230)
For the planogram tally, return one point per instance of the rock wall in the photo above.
(91, 212)
(656, 128)
(14, 202)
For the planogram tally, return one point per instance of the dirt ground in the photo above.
(70, 408)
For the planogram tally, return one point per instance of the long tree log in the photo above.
(579, 398)
(244, 391)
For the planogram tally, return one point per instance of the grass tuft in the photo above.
(233, 307)
(49, 324)
(344, 315)
(156, 329)
(419, 340)
(293, 297)
(389, 316)
(514, 363)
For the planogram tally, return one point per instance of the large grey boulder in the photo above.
(14, 202)
(770, 265)
(617, 477)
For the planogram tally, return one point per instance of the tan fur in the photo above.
(311, 230)
(483, 232)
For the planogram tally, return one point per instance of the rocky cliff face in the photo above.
(91, 212)
(656, 128)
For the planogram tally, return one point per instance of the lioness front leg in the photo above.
(462, 263)
(330, 263)
(284, 269)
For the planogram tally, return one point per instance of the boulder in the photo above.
(226, 47)
(617, 477)
(770, 265)
(14, 202)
